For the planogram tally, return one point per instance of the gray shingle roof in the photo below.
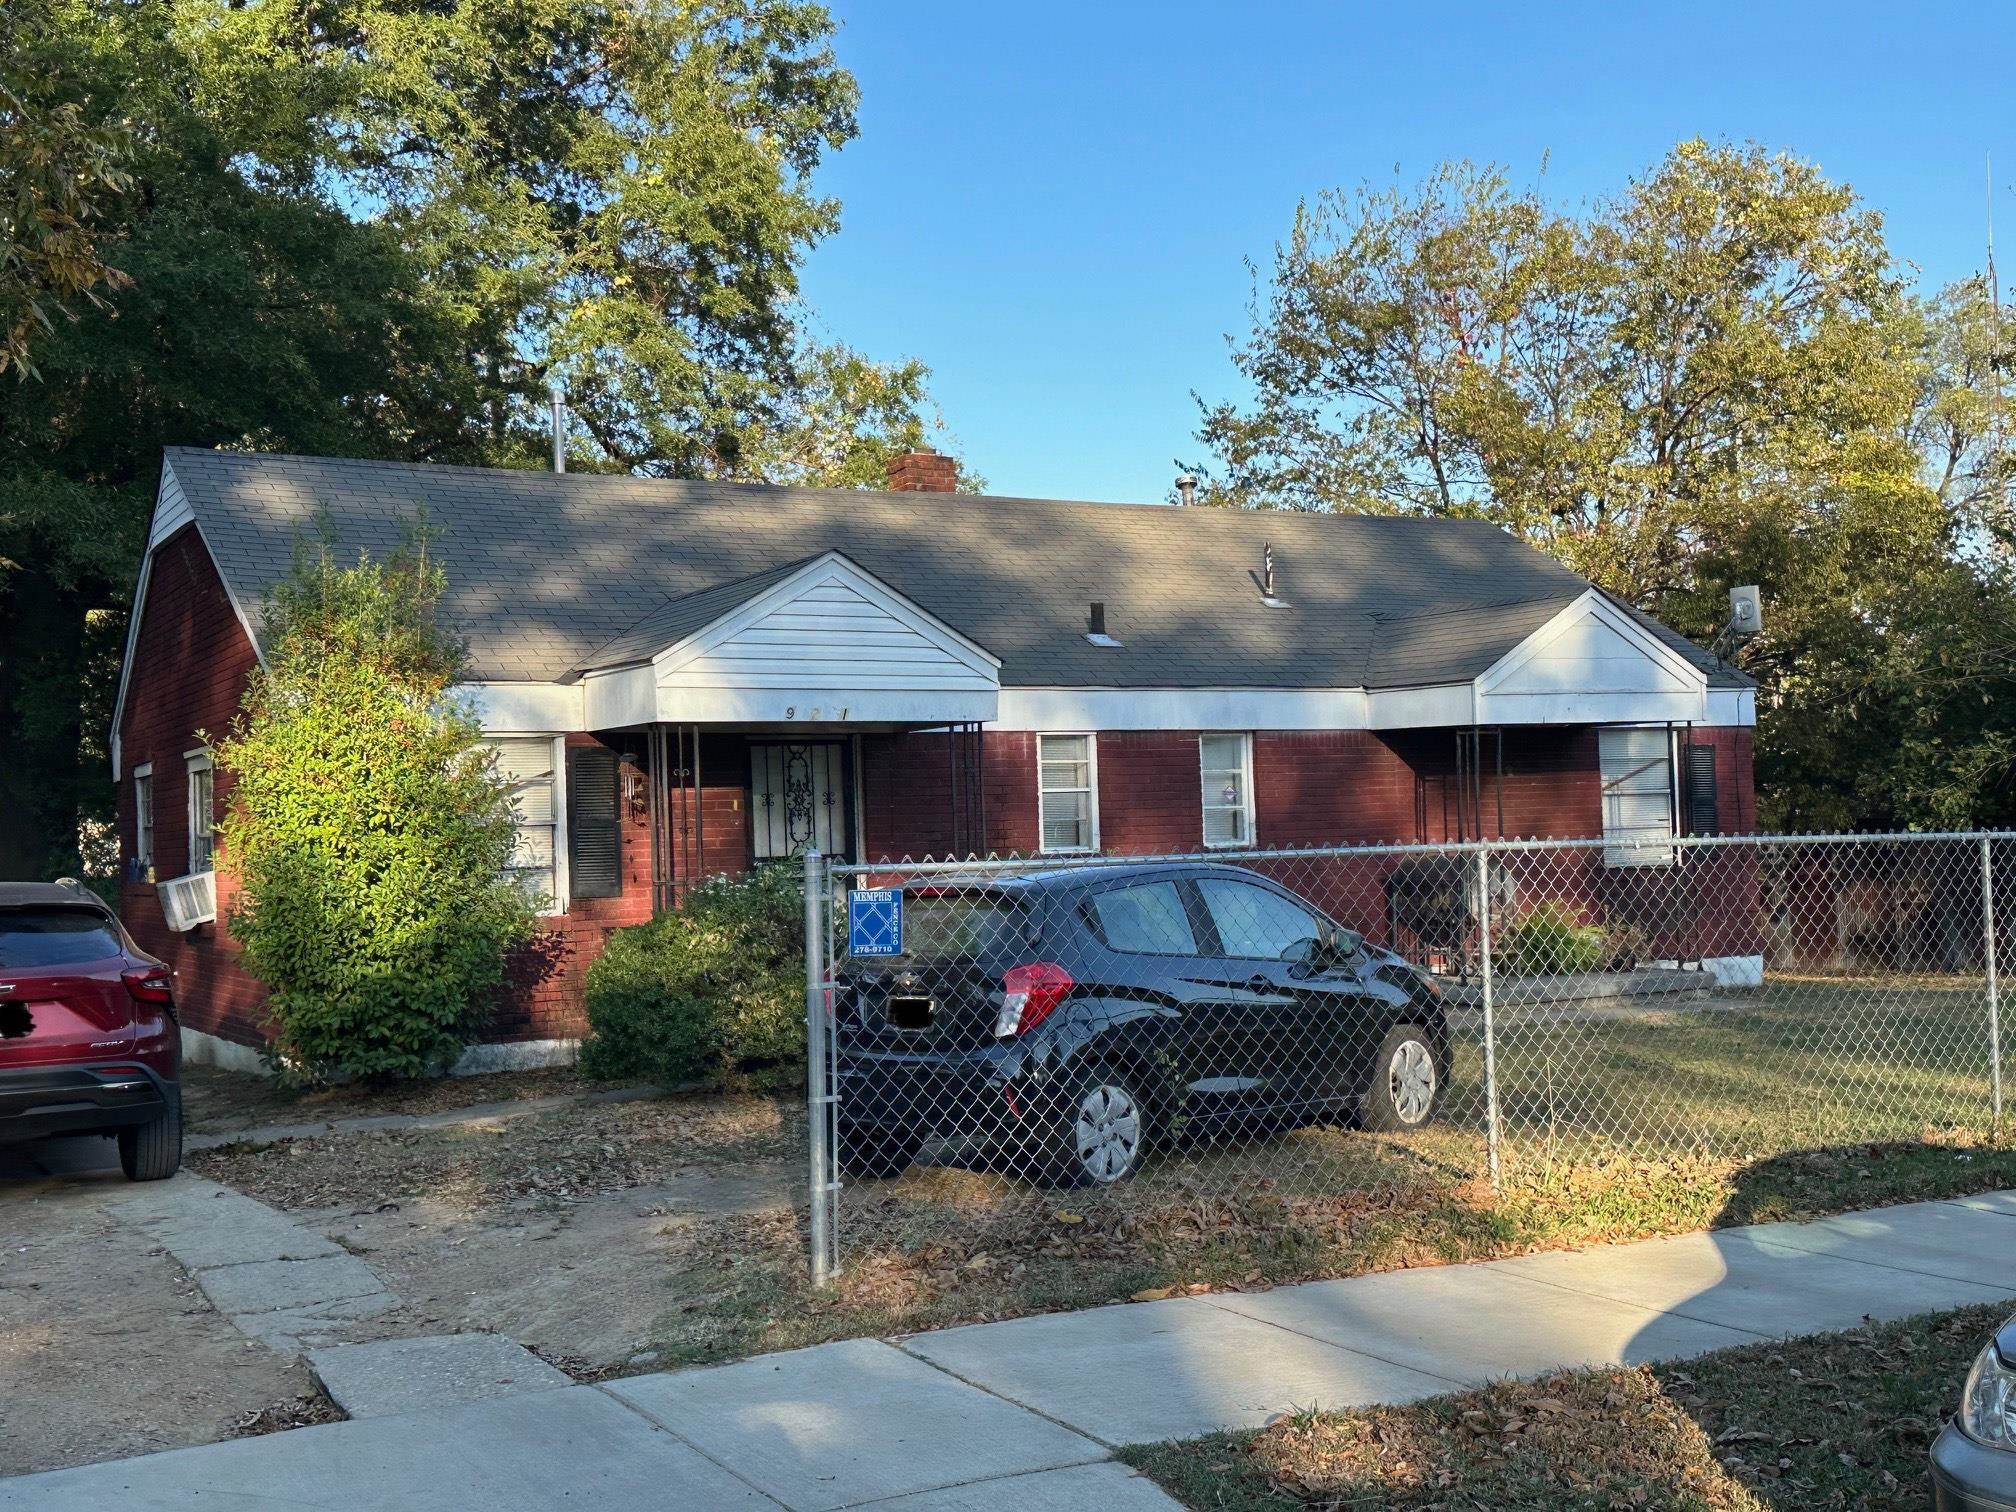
(548, 573)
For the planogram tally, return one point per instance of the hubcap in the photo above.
(1410, 1081)
(1108, 1133)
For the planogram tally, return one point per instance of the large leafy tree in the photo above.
(1718, 376)
(381, 228)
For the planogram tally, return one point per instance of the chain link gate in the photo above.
(1026, 1041)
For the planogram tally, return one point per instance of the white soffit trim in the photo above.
(172, 512)
(523, 708)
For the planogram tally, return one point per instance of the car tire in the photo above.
(1100, 1130)
(153, 1151)
(1405, 1084)
(874, 1154)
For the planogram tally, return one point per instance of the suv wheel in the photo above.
(1406, 1082)
(153, 1151)
(1102, 1133)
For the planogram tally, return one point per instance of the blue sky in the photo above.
(1050, 204)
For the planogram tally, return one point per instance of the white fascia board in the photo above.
(1095, 709)
(1732, 706)
(831, 566)
(172, 511)
(1429, 708)
(1592, 603)
(1593, 708)
(523, 708)
(825, 706)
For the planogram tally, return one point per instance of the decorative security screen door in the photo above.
(799, 797)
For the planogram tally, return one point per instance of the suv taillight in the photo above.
(150, 984)
(1029, 994)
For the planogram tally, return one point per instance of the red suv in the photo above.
(88, 1040)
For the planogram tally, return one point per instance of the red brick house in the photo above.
(688, 678)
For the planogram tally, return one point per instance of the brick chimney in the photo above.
(923, 472)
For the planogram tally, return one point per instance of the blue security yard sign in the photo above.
(875, 922)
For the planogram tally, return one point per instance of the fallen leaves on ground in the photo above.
(567, 1156)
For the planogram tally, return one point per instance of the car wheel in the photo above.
(872, 1153)
(1406, 1082)
(153, 1151)
(1102, 1131)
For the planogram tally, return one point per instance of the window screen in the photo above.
(1637, 771)
(1066, 798)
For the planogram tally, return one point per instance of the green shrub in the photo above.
(368, 828)
(1549, 942)
(713, 991)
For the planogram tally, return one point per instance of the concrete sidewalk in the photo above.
(1031, 1408)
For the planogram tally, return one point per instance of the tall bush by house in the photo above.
(368, 828)
(713, 991)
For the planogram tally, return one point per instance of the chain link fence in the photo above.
(997, 1047)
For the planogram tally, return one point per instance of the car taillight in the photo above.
(150, 984)
(1029, 995)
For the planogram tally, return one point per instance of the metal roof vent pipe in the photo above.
(1265, 579)
(1186, 489)
(558, 410)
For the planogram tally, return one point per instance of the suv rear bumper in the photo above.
(39, 1101)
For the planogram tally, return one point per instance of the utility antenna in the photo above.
(1994, 326)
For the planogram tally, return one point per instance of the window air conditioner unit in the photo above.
(189, 901)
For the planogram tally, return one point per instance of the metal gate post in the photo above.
(818, 1072)
(1490, 1027)
(1994, 986)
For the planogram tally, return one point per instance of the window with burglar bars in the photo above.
(1226, 765)
(1637, 775)
(1067, 795)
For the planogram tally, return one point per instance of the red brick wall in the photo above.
(191, 661)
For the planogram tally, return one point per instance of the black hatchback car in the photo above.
(1066, 1023)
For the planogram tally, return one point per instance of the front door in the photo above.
(801, 796)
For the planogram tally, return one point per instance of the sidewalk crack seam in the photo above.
(666, 1428)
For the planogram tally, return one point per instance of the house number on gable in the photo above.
(791, 712)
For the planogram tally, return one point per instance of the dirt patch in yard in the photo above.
(107, 1348)
(480, 1168)
(221, 1101)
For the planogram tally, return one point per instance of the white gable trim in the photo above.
(829, 644)
(172, 512)
(1592, 605)
(830, 568)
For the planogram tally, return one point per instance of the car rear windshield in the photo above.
(54, 936)
(970, 925)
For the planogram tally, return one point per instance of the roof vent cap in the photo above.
(1095, 626)
(1186, 488)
